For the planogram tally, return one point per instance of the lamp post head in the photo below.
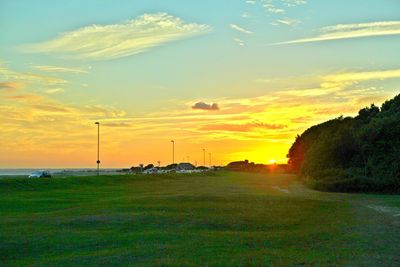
(172, 141)
(97, 122)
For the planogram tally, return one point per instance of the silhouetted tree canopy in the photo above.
(352, 154)
(171, 166)
(149, 166)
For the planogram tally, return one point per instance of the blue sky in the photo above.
(257, 60)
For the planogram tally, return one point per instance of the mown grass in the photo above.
(209, 219)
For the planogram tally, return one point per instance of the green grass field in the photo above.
(209, 219)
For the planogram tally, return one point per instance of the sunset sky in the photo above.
(238, 78)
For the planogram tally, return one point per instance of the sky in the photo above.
(239, 78)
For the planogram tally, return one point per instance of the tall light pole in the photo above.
(204, 157)
(173, 151)
(209, 157)
(98, 147)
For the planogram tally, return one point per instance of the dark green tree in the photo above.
(347, 154)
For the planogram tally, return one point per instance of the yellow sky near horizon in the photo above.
(40, 131)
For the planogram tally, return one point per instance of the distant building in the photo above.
(240, 165)
(246, 166)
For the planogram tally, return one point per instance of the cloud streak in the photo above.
(59, 69)
(31, 78)
(10, 86)
(349, 31)
(240, 29)
(243, 127)
(338, 84)
(286, 21)
(105, 42)
(239, 41)
(363, 76)
(55, 91)
(280, 6)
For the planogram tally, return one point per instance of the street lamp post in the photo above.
(173, 151)
(204, 157)
(98, 147)
(209, 155)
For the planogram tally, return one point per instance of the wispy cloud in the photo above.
(335, 84)
(280, 6)
(55, 91)
(276, 9)
(117, 124)
(59, 69)
(10, 86)
(25, 97)
(12, 82)
(246, 127)
(240, 42)
(104, 42)
(363, 75)
(292, 3)
(27, 77)
(240, 29)
(51, 108)
(246, 15)
(347, 31)
(286, 21)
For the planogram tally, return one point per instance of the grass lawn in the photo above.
(208, 219)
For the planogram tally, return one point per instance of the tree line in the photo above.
(345, 154)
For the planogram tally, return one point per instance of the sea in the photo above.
(67, 171)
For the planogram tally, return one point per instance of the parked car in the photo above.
(151, 170)
(40, 174)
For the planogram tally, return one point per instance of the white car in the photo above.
(40, 174)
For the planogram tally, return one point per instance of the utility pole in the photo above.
(173, 151)
(98, 147)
